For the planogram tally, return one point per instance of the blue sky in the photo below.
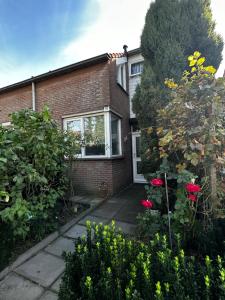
(40, 35)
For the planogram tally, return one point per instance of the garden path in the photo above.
(38, 278)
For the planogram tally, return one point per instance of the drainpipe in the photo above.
(33, 97)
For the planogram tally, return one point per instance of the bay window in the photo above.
(100, 134)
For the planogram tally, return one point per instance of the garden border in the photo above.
(49, 239)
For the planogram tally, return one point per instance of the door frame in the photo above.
(137, 178)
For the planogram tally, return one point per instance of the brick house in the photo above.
(91, 95)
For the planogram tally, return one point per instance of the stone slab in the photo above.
(126, 227)
(49, 296)
(76, 231)
(108, 210)
(56, 285)
(94, 219)
(43, 268)
(60, 245)
(14, 287)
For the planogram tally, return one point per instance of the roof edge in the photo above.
(60, 71)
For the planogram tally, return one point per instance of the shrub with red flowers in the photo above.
(192, 188)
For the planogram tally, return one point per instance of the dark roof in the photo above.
(79, 65)
(67, 69)
(134, 51)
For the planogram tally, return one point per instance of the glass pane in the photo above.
(139, 168)
(94, 134)
(74, 126)
(137, 68)
(138, 146)
(115, 135)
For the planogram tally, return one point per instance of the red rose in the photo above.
(192, 197)
(192, 188)
(147, 203)
(157, 182)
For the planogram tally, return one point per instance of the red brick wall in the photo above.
(122, 168)
(13, 101)
(77, 92)
(82, 91)
(92, 176)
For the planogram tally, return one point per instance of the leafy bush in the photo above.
(32, 168)
(105, 265)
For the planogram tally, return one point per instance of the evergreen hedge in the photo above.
(106, 265)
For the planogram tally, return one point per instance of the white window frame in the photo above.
(121, 75)
(107, 128)
(6, 124)
(133, 63)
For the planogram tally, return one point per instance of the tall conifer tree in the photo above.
(173, 30)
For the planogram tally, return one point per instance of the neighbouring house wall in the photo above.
(133, 80)
(14, 101)
(121, 168)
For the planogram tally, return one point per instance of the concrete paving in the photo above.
(39, 277)
(43, 268)
(15, 287)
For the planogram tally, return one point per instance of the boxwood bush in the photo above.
(106, 265)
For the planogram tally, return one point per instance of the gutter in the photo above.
(33, 96)
(64, 70)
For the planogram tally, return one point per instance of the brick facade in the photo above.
(81, 90)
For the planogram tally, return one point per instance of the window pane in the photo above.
(138, 146)
(94, 134)
(115, 135)
(136, 68)
(74, 126)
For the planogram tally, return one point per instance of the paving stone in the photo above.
(43, 268)
(49, 296)
(14, 287)
(76, 231)
(60, 245)
(126, 227)
(108, 210)
(94, 219)
(55, 287)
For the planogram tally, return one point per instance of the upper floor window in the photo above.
(121, 75)
(99, 135)
(136, 68)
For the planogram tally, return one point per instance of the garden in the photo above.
(178, 251)
(33, 182)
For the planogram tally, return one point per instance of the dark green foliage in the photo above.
(173, 30)
(33, 169)
(108, 266)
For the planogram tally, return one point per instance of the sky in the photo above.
(37, 36)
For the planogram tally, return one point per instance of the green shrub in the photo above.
(105, 265)
(32, 169)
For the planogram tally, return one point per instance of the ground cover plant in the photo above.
(106, 265)
(33, 177)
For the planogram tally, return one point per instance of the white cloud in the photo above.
(218, 8)
(119, 22)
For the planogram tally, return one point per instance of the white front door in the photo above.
(138, 177)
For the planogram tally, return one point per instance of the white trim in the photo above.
(108, 147)
(94, 112)
(133, 63)
(137, 178)
(107, 128)
(33, 96)
(5, 124)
